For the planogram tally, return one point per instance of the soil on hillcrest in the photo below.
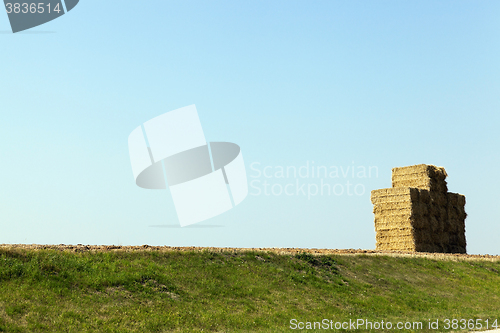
(103, 248)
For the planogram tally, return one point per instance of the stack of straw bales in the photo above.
(418, 213)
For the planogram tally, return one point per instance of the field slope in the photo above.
(84, 290)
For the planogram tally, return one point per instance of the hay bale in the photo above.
(422, 176)
(418, 214)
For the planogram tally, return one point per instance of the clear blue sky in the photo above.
(337, 83)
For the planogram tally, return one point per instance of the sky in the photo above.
(345, 85)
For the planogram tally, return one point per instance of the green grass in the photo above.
(141, 291)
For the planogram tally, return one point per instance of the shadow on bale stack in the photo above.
(418, 213)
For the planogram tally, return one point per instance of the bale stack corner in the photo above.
(418, 213)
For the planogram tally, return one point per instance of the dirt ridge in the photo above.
(314, 251)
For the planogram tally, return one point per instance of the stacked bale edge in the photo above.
(418, 214)
(422, 176)
(394, 218)
(455, 228)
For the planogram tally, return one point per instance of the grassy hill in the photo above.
(192, 291)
